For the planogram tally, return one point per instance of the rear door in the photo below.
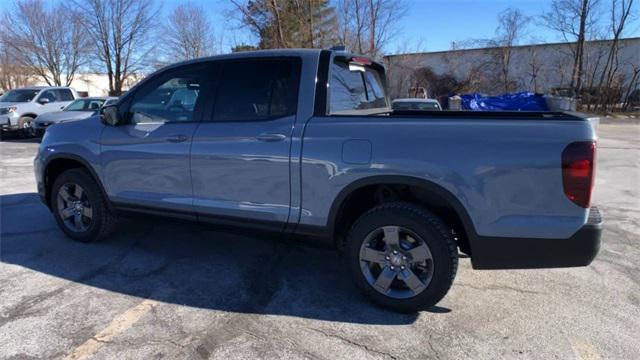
(240, 153)
(64, 97)
(146, 160)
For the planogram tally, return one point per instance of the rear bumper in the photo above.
(524, 253)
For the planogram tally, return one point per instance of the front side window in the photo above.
(49, 95)
(23, 95)
(257, 89)
(171, 99)
(354, 88)
(85, 105)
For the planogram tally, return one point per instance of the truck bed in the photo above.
(493, 115)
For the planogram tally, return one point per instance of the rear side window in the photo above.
(257, 89)
(63, 95)
(354, 88)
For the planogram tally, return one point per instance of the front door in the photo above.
(53, 102)
(240, 153)
(146, 160)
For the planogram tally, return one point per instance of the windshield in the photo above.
(356, 89)
(415, 105)
(85, 105)
(22, 95)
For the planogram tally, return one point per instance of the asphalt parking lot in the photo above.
(160, 289)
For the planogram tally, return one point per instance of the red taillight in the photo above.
(578, 170)
(361, 60)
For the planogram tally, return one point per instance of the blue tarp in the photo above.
(522, 101)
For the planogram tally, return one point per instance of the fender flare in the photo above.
(430, 186)
(79, 159)
(31, 115)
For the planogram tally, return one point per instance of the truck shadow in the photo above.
(13, 138)
(190, 265)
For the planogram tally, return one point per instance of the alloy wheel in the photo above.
(396, 262)
(27, 128)
(74, 207)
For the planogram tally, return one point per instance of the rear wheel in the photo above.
(402, 257)
(25, 124)
(80, 208)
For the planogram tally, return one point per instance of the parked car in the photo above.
(77, 110)
(414, 104)
(19, 107)
(304, 144)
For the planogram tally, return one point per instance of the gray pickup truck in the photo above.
(303, 144)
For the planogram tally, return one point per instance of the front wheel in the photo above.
(80, 208)
(25, 124)
(402, 257)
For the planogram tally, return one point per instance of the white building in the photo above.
(92, 84)
(537, 68)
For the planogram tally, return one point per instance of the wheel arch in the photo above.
(429, 190)
(59, 163)
(31, 115)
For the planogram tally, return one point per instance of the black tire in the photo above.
(431, 231)
(25, 124)
(103, 220)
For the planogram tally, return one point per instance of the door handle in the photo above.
(177, 138)
(271, 137)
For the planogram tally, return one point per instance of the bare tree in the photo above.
(189, 33)
(575, 21)
(533, 68)
(367, 26)
(511, 28)
(401, 70)
(51, 46)
(120, 30)
(12, 74)
(632, 86)
(620, 14)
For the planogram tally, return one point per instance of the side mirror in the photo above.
(43, 101)
(110, 115)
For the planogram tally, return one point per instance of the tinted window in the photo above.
(48, 95)
(172, 98)
(19, 95)
(63, 95)
(110, 102)
(259, 89)
(355, 88)
(85, 105)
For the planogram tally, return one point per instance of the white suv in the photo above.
(19, 107)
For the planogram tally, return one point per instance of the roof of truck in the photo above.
(252, 54)
(40, 87)
(264, 53)
(416, 100)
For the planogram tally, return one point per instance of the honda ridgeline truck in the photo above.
(304, 144)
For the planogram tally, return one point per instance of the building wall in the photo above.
(537, 68)
(93, 84)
